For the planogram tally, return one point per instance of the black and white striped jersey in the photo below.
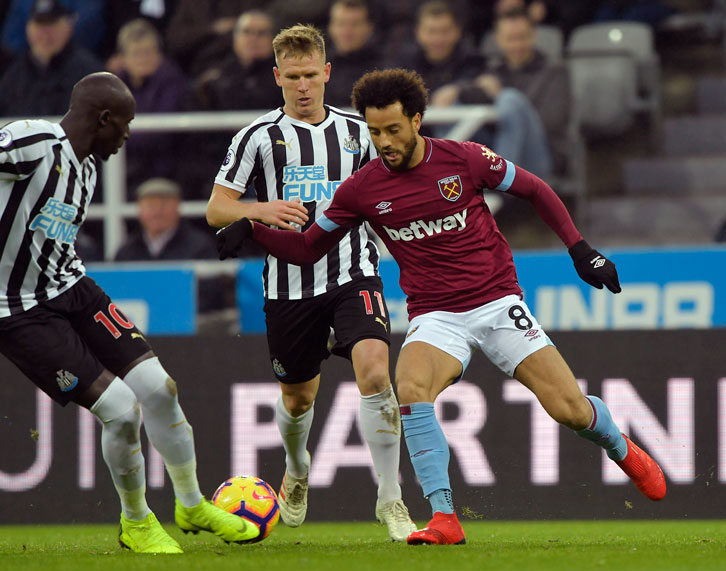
(44, 197)
(284, 158)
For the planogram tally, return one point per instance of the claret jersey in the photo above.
(435, 223)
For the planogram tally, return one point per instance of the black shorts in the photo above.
(63, 344)
(298, 330)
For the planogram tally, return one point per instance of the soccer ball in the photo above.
(252, 499)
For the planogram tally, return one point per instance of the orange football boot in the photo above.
(643, 471)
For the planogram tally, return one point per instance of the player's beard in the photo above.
(406, 155)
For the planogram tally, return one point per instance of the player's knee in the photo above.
(152, 384)
(374, 380)
(298, 403)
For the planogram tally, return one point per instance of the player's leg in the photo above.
(361, 332)
(422, 372)
(434, 355)
(294, 416)
(547, 375)
(513, 340)
(124, 350)
(118, 410)
(297, 337)
(380, 421)
(44, 345)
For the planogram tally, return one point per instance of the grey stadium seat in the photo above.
(624, 39)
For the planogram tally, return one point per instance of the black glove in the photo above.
(232, 237)
(594, 268)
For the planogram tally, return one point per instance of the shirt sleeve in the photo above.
(343, 210)
(17, 161)
(240, 164)
(492, 171)
(487, 168)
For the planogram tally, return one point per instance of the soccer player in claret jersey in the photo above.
(301, 152)
(64, 332)
(423, 197)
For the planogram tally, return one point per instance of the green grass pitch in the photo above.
(561, 545)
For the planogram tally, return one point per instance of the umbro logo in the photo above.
(383, 207)
(597, 262)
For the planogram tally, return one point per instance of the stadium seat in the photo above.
(613, 41)
(604, 89)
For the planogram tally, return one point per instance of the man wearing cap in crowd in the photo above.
(164, 235)
(39, 81)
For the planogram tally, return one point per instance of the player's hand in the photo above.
(232, 237)
(285, 214)
(594, 268)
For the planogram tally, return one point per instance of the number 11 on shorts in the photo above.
(366, 295)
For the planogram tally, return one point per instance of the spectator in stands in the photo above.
(354, 48)
(120, 12)
(199, 34)
(40, 81)
(546, 84)
(164, 235)
(399, 19)
(89, 21)
(244, 80)
(159, 86)
(440, 54)
(455, 74)
(564, 14)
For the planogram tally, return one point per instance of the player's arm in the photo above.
(591, 266)
(300, 248)
(225, 207)
(499, 174)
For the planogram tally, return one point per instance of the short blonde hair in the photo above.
(299, 40)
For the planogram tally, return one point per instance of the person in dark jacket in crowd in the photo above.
(39, 82)
(354, 49)
(164, 235)
(244, 79)
(159, 86)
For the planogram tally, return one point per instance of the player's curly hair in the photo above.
(382, 88)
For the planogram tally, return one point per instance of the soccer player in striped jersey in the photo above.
(64, 332)
(295, 158)
(423, 197)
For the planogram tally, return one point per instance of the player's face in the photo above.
(303, 80)
(395, 136)
(113, 133)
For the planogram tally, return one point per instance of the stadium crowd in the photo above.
(184, 55)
